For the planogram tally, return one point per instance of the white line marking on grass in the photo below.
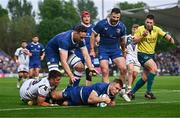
(63, 107)
(162, 91)
(150, 102)
(32, 108)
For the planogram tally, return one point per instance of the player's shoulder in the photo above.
(121, 23)
(18, 49)
(156, 28)
(64, 34)
(141, 28)
(45, 81)
(101, 84)
(103, 22)
(30, 43)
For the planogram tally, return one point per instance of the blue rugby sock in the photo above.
(138, 85)
(150, 79)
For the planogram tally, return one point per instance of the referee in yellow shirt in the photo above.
(146, 37)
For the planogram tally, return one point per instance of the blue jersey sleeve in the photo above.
(42, 48)
(82, 43)
(63, 45)
(28, 46)
(123, 30)
(98, 27)
(100, 88)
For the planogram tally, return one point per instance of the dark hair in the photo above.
(23, 41)
(135, 26)
(118, 81)
(115, 10)
(54, 74)
(150, 16)
(80, 28)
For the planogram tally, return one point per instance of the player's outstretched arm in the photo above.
(41, 102)
(170, 39)
(92, 44)
(64, 57)
(87, 58)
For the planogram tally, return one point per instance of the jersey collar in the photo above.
(85, 24)
(35, 43)
(72, 38)
(108, 20)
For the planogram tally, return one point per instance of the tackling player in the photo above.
(146, 36)
(35, 91)
(37, 54)
(22, 60)
(89, 95)
(112, 32)
(58, 48)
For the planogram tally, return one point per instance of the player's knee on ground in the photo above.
(20, 75)
(25, 75)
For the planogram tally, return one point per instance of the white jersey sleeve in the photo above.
(17, 52)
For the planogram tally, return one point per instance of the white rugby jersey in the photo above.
(23, 58)
(131, 47)
(33, 88)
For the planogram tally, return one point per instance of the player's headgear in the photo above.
(85, 13)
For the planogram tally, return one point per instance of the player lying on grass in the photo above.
(35, 91)
(89, 95)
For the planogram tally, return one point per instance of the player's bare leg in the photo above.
(120, 62)
(78, 72)
(151, 66)
(104, 64)
(130, 76)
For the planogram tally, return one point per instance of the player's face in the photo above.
(24, 45)
(35, 39)
(114, 18)
(149, 24)
(56, 81)
(114, 90)
(133, 30)
(86, 19)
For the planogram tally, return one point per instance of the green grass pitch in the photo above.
(167, 104)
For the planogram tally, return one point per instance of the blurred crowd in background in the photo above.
(168, 64)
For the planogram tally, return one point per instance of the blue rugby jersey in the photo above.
(110, 34)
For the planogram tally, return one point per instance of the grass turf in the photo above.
(165, 88)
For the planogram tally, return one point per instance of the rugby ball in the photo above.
(102, 104)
